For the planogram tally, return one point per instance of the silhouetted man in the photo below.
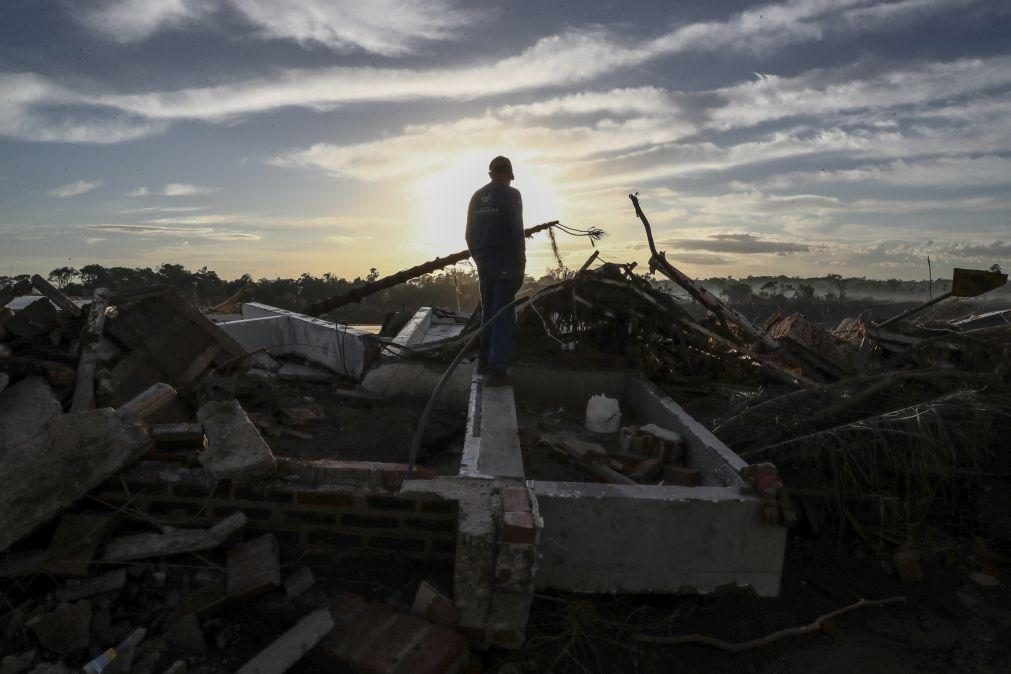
(495, 240)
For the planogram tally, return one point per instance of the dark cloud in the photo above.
(699, 258)
(744, 244)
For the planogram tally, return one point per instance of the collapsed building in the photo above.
(177, 476)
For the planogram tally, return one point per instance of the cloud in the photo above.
(559, 60)
(162, 230)
(745, 244)
(385, 27)
(135, 20)
(173, 190)
(700, 258)
(75, 188)
(935, 172)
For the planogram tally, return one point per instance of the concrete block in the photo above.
(235, 449)
(292, 645)
(65, 630)
(491, 448)
(25, 408)
(254, 567)
(297, 583)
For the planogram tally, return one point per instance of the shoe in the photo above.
(498, 378)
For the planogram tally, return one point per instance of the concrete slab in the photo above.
(491, 448)
(404, 379)
(624, 538)
(235, 449)
(25, 408)
(338, 347)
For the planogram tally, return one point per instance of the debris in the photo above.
(77, 451)
(185, 634)
(235, 449)
(292, 645)
(679, 476)
(178, 433)
(65, 630)
(763, 479)
(737, 647)
(305, 373)
(254, 567)
(172, 542)
(109, 582)
(35, 319)
(18, 564)
(603, 415)
(57, 296)
(74, 543)
(7, 293)
(907, 565)
(983, 579)
(431, 604)
(25, 408)
(373, 637)
(298, 582)
(84, 391)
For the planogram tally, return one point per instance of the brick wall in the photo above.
(326, 513)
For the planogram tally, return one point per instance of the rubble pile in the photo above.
(94, 396)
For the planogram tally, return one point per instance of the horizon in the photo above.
(796, 138)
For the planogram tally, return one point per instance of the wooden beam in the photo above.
(57, 296)
(84, 388)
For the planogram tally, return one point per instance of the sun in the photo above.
(439, 201)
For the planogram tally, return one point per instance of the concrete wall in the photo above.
(491, 448)
(623, 538)
(340, 348)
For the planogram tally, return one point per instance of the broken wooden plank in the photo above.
(74, 454)
(289, 648)
(56, 295)
(84, 387)
(144, 546)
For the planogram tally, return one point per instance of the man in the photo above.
(495, 239)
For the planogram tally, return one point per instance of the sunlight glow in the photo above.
(441, 199)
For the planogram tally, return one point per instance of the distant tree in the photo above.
(995, 268)
(804, 292)
(738, 293)
(840, 285)
(62, 276)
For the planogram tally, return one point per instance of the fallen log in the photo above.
(361, 292)
(57, 296)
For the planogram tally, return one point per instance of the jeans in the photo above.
(498, 288)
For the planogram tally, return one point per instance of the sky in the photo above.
(276, 137)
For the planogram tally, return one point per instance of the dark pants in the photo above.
(498, 288)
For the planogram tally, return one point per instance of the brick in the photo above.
(310, 517)
(344, 607)
(681, 477)
(338, 499)
(443, 547)
(254, 567)
(516, 499)
(438, 506)
(220, 490)
(351, 520)
(518, 527)
(389, 503)
(359, 632)
(397, 544)
(263, 493)
(172, 507)
(285, 538)
(434, 606)
(430, 525)
(333, 538)
(259, 514)
(383, 651)
(441, 650)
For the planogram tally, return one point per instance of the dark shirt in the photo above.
(495, 228)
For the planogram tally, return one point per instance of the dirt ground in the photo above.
(947, 624)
